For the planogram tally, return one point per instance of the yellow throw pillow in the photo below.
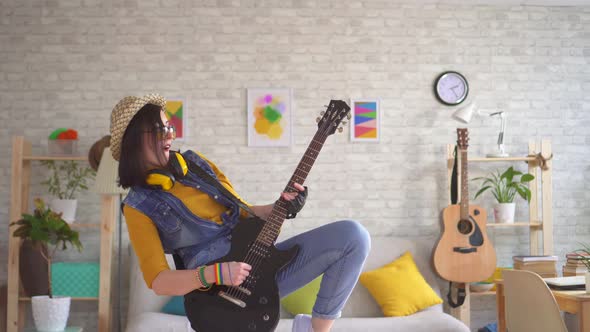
(399, 288)
(302, 300)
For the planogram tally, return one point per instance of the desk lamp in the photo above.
(464, 115)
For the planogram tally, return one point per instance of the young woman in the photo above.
(171, 209)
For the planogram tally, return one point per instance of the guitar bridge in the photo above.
(464, 250)
(244, 290)
(232, 299)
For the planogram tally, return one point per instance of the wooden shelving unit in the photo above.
(540, 226)
(20, 182)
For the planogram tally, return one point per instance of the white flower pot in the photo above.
(587, 282)
(504, 213)
(51, 314)
(67, 207)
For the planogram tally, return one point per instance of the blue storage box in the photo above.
(75, 279)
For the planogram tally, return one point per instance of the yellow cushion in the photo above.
(302, 300)
(399, 288)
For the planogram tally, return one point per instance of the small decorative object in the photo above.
(67, 178)
(365, 121)
(451, 88)
(63, 142)
(504, 187)
(96, 151)
(584, 254)
(269, 117)
(481, 286)
(175, 109)
(45, 228)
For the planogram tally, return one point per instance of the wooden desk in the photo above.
(575, 302)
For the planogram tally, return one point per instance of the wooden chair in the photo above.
(530, 305)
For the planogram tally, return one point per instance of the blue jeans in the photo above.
(338, 250)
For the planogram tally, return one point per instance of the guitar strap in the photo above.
(454, 184)
(461, 293)
(212, 181)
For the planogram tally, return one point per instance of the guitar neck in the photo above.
(273, 224)
(464, 186)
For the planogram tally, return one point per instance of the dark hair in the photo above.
(133, 166)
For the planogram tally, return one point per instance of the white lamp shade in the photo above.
(464, 114)
(107, 175)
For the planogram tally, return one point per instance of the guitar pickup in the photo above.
(232, 299)
(243, 290)
(464, 250)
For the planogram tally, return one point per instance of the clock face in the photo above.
(451, 88)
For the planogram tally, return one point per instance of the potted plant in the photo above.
(66, 179)
(48, 232)
(584, 256)
(505, 186)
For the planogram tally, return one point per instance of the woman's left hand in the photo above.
(295, 200)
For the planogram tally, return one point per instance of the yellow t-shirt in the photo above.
(143, 233)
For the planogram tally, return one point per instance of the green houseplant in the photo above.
(584, 255)
(505, 186)
(48, 232)
(66, 179)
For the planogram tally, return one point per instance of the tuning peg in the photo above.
(322, 113)
(348, 116)
(317, 119)
(339, 129)
(344, 122)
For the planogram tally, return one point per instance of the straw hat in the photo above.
(122, 115)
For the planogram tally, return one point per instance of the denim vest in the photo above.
(197, 241)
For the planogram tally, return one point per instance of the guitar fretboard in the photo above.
(464, 186)
(272, 227)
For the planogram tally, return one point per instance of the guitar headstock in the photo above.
(333, 116)
(462, 138)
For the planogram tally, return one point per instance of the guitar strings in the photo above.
(315, 146)
(255, 260)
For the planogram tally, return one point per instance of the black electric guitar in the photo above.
(254, 305)
(464, 253)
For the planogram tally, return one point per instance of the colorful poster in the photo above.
(365, 120)
(175, 108)
(269, 116)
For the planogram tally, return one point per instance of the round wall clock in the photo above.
(451, 88)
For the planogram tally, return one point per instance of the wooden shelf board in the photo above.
(26, 298)
(483, 293)
(485, 159)
(76, 158)
(516, 224)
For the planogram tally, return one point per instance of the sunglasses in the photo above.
(164, 132)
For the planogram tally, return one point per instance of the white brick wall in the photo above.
(66, 63)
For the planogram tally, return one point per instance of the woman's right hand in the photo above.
(233, 273)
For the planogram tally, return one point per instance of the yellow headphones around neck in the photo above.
(164, 179)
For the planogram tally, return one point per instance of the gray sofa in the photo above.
(360, 314)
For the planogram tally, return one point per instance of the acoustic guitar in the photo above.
(254, 305)
(464, 253)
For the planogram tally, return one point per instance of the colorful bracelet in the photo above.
(201, 277)
(218, 274)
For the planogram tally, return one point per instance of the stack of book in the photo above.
(574, 265)
(544, 265)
